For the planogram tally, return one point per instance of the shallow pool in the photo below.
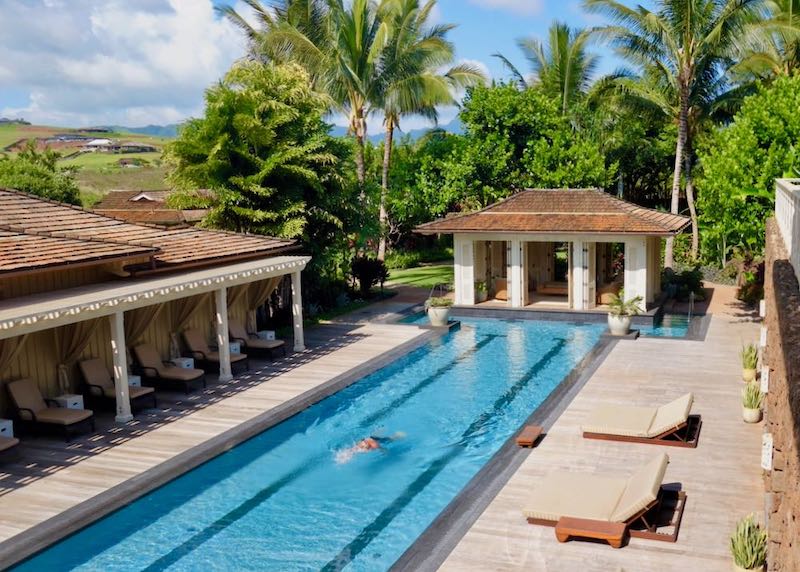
(293, 498)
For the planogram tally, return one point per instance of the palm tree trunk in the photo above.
(383, 216)
(690, 198)
(359, 125)
(669, 252)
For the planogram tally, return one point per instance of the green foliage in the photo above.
(368, 272)
(438, 302)
(740, 163)
(752, 396)
(37, 172)
(680, 285)
(424, 276)
(749, 356)
(618, 306)
(749, 544)
(481, 286)
(400, 259)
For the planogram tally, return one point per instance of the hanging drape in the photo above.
(136, 323)
(71, 340)
(236, 293)
(9, 349)
(258, 293)
(181, 311)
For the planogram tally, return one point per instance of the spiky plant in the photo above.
(752, 396)
(749, 355)
(619, 306)
(749, 544)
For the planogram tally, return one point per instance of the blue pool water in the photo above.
(285, 501)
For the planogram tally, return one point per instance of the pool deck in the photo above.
(55, 488)
(722, 477)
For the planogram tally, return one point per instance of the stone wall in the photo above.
(782, 410)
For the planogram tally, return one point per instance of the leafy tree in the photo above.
(682, 49)
(562, 67)
(739, 165)
(771, 46)
(37, 172)
(264, 152)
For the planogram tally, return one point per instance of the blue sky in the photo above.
(90, 62)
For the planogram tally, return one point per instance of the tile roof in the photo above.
(69, 234)
(566, 211)
(148, 207)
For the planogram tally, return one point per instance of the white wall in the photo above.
(787, 213)
(464, 270)
(578, 276)
(636, 268)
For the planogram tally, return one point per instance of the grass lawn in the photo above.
(422, 276)
(100, 161)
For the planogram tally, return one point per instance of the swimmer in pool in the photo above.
(371, 443)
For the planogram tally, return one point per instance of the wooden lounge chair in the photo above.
(196, 342)
(254, 344)
(164, 373)
(669, 424)
(100, 384)
(35, 410)
(605, 507)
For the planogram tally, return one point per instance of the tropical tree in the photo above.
(413, 78)
(771, 46)
(682, 49)
(562, 67)
(37, 172)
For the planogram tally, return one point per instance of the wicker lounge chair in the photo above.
(605, 507)
(100, 384)
(669, 424)
(164, 373)
(254, 344)
(38, 412)
(196, 342)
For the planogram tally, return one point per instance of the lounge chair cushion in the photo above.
(671, 415)
(259, 344)
(95, 372)
(179, 373)
(574, 494)
(238, 333)
(148, 357)
(620, 420)
(26, 395)
(63, 416)
(641, 488)
(196, 342)
(133, 392)
(7, 443)
(214, 357)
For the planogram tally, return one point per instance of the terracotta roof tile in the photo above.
(23, 214)
(561, 211)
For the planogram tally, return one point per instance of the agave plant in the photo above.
(752, 396)
(749, 355)
(749, 544)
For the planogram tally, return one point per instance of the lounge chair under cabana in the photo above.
(606, 507)
(35, 410)
(254, 344)
(196, 342)
(160, 372)
(100, 384)
(669, 424)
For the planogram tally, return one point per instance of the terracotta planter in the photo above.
(438, 315)
(748, 375)
(751, 415)
(619, 325)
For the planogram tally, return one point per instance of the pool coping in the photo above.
(437, 541)
(40, 536)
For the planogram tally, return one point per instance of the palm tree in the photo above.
(562, 67)
(683, 47)
(413, 81)
(772, 46)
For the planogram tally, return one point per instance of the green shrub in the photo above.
(368, 272)
(749, 544)
(401, 259)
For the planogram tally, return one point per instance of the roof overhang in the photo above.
(428, 231)
(28, 314)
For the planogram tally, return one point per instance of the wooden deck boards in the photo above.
(721, 477)
(52, 476)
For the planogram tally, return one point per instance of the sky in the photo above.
(74, 63)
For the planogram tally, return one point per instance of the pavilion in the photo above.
(557, 248)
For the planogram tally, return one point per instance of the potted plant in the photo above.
(751, 402)
(481, 291)
(620, 312)
(749, 355)
(438, 309)
(749, 545)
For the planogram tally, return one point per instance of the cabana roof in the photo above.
(38, 234)
(562, 211)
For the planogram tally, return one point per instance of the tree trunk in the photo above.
(383, 216)
(360, 130)
(687, 168)
(669, 253)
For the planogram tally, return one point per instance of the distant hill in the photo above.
(453, 127)
(170, 130)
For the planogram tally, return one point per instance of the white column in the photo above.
(578, 276)
(467, 272)
(636, 269)
(297, 312)
(223, 345)
(515, 273)
(117, 323)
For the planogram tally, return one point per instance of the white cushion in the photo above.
(620, 420)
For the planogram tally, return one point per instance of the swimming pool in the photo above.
(284, 500)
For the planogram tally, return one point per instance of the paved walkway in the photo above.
(721, 477)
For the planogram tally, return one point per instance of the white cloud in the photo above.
(117, 62)
(525, 7)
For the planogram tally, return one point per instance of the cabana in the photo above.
(77, 285)
(570, 249)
